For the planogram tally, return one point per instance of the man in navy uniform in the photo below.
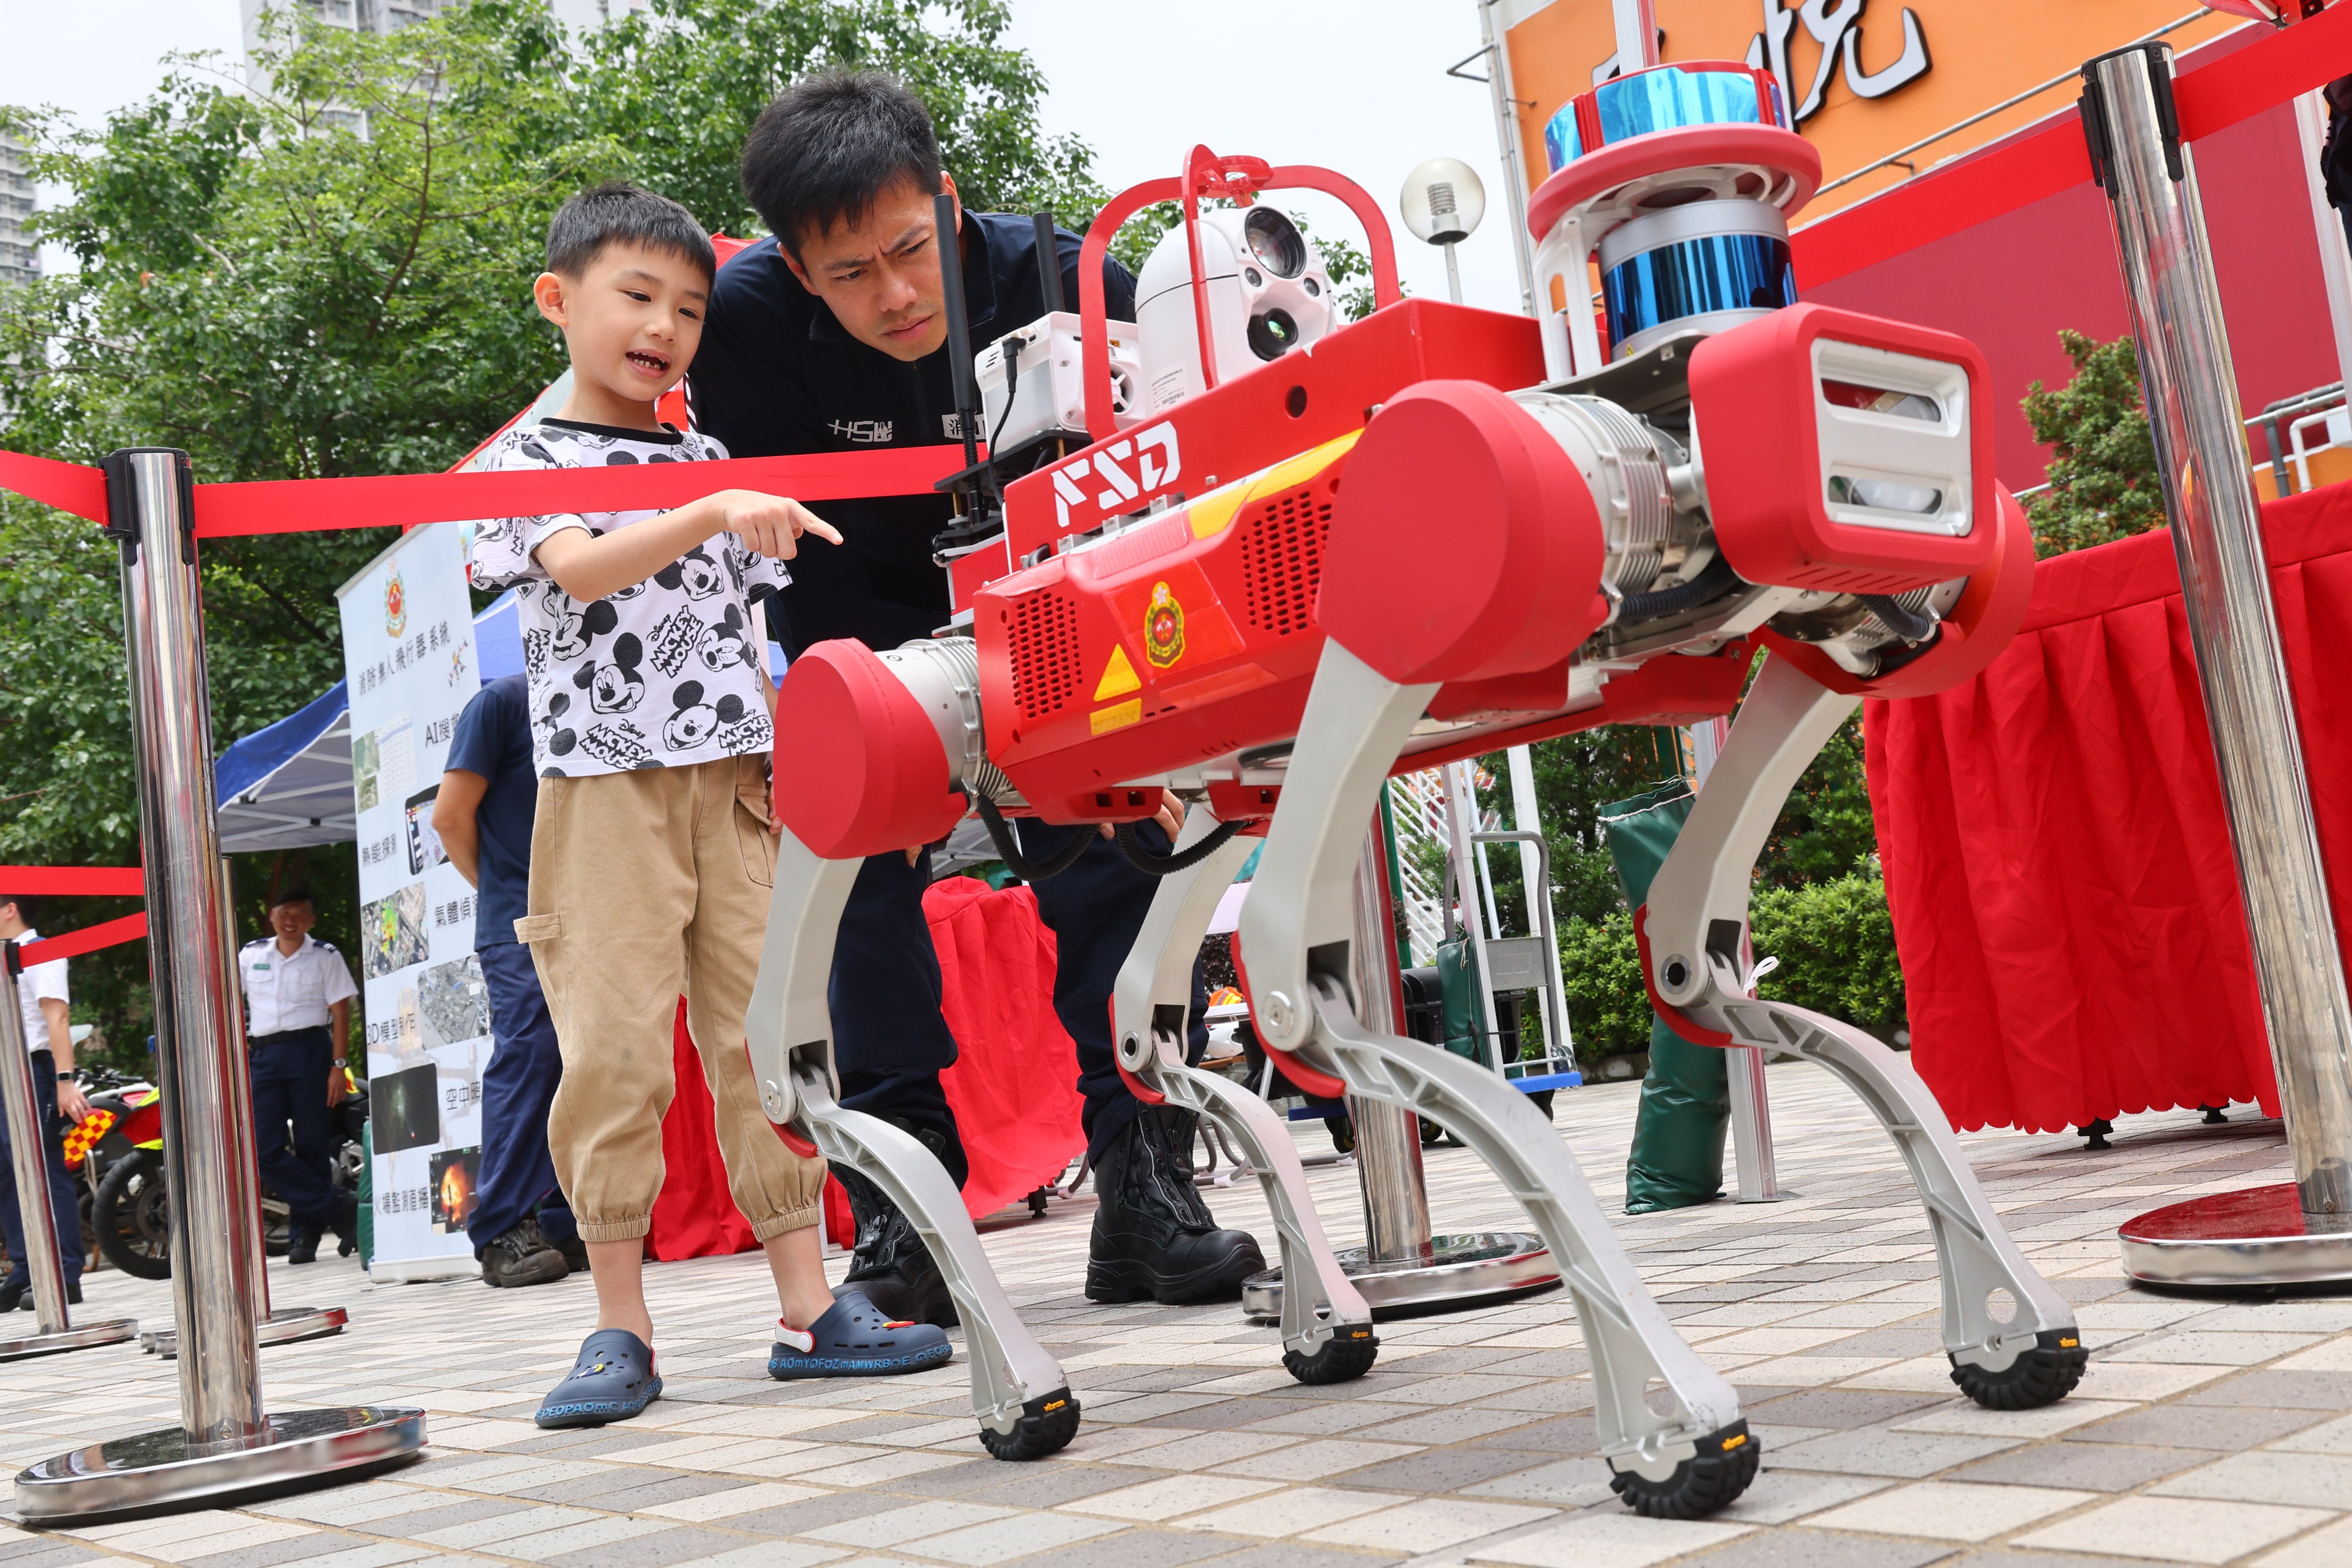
(521, 1227)
(832, 337)
(297, 999)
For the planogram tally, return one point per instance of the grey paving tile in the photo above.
(816, 1513)
(2221, 1426)
(293, 1549)
(1447, 1426)
(1819, 1548)
(1439, 1469)
(1135, 1549)
(54, 1554)
(458, 1511)
(684, 1543)
(1285, 1556)
(2084, 1466)
(954, 1481)
(2003, 1558)
(1051, 1485)
(1879, 1453)
(1568, 1435)
(1838, 1407)
(2276, 1388)
(1225, 1413)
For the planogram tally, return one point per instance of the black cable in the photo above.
(1909, 624)
(1011, 348)
(1715, 578)
(1009, 851)
(1144, 860)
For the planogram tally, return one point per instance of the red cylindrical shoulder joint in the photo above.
(859, 767)
(1464, 543)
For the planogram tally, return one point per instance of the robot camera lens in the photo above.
(1273, 333)
(1276, 241)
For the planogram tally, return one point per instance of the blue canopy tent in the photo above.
(290, 784)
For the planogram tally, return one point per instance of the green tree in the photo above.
(679, 84)
(329, 275)
(2103, 476)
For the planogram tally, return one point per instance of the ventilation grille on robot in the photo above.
(1281, 559)
(1046, 667)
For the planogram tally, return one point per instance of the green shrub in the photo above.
(1835, 941)
(1607, 1007)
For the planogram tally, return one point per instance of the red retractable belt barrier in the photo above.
(67, 881)
(118, 881)
(2057, 858)
(2265, 73)
(405, 501)
(90, 939)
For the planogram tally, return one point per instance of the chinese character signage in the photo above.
(408, 650)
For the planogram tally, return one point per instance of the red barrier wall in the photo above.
(2009, 284)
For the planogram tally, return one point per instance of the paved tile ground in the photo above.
(2205, 1433)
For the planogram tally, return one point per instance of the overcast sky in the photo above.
(1355, 85)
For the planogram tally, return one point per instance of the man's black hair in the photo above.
(618, 213)
(298, 894)
(825, 152)
(28, 906)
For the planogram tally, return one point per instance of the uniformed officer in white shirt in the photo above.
(298, 998)
(42, 1002)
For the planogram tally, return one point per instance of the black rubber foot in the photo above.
(1047, 1425)
(2042, 1376)
(2096, 1132)
(1343, 1358)
(1725, 1465)
(2214, 1116)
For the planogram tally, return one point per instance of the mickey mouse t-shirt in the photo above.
(664, 674)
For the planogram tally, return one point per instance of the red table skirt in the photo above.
(2066, 906)
(1013, 1087)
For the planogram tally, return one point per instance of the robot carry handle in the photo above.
(1243, 179)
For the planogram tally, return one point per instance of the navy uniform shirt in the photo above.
(493, 739)
(777, 375)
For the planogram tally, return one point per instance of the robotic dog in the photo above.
(1283, 559)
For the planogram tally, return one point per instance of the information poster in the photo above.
(410, 661)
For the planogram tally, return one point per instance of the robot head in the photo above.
(1267, 296)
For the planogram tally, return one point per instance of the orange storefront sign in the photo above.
(1930, 64)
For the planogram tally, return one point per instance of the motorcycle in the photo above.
(126, 1206)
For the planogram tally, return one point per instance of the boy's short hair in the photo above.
(28, 907)
(618, 213)
(298, 894)
(824, 152)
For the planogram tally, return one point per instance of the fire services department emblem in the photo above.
(395, 605)
(1163, 627)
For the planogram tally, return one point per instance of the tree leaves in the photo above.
(2103, 477)
(329, 273)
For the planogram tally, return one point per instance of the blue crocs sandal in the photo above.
(612, 1380)
(853, 1339)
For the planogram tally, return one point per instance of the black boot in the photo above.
(1153, 1235)
(889, 1264)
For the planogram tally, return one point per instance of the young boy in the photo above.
(652, 854)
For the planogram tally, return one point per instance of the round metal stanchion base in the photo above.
(285, 1326)
(162, 1470)
(2251, 1239)
(1463, 1270)
(113, 1330)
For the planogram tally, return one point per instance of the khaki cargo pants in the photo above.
(644, 885)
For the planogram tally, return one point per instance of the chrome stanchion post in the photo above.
(1388, 1136)
(1759, 1170)
(227, 1444)
(1402, 1268)
(29, 1158)
(2280, 1234)
(270, 1326)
